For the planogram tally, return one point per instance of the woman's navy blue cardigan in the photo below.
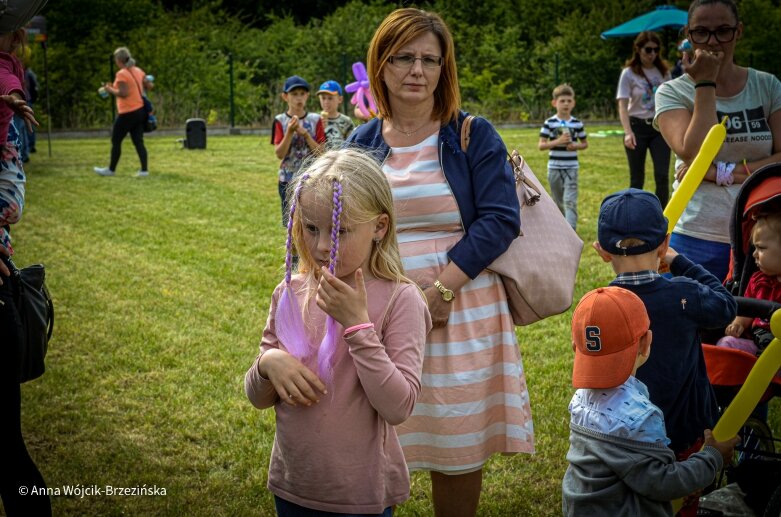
(482, 183)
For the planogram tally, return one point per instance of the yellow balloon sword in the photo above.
(693, 178)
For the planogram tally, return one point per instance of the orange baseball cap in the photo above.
(606, 328)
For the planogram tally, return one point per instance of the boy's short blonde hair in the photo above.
(563, 89)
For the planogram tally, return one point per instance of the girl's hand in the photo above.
(703, 65)
(343, 303)
(439, 308)
(20, 107)
(629, 140)
(294, 383)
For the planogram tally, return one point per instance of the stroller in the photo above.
(758, 469)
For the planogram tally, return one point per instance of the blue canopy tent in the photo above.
(663, 17)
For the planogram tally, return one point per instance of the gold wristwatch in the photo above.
(447, 294)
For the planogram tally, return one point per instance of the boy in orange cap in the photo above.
(619, 460)
(632, 237)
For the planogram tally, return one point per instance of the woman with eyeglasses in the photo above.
(456, 212)
(642, 75)
(712, 87)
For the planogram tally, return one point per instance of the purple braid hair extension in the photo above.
(336, 218)
(328, 344)
(289, 241)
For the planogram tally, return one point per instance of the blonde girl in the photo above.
(341, 355)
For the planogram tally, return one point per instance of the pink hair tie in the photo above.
(356, 328)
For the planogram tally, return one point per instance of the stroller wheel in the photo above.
(757, 439)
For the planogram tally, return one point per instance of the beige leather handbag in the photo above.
(538, 270)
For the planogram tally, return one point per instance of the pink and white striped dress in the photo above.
(474, 401)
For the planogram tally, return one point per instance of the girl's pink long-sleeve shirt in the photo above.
(342, 454)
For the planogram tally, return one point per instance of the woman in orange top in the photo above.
(128, 86)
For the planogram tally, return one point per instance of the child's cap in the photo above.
(295, 82)
(330, 87)
(631, 213)
(606, 328)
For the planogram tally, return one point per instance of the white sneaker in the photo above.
(142, 174)
(103, 171)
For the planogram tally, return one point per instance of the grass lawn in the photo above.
(161, 288)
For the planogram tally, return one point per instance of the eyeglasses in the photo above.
(407, 61)
(651, 50)
(723, 34)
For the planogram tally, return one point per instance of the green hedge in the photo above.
(510, 55)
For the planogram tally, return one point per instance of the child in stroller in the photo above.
(765, 283)
(755, 276)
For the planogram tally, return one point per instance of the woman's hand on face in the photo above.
(345, 304)
(703, 65)
(629, 141)
(294, 383)
(439, 308)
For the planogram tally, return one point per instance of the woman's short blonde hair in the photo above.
(398, 29)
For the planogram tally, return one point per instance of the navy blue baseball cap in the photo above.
(295, 82)
(631, 213)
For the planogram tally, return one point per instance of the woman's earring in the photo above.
(377, 241)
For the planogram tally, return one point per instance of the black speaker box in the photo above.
(195, 133)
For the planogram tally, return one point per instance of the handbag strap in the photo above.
(466, 129)
(650, 84)
(531, 194)
(138, 85)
